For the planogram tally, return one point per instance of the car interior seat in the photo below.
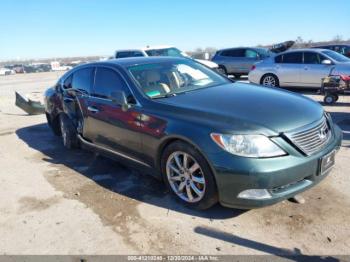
(153, 85)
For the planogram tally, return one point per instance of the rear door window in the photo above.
(124, 54)
(279, 59)
(293, 58)
(82, 80)
(107, 81)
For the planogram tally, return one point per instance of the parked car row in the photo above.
(30, 68)
(37, 67)
(239, 61)
(278, 66)
(6, 71)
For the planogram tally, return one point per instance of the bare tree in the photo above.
(338, 38)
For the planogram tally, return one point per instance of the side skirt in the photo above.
(119, 157)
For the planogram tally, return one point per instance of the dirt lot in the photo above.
(55, 201)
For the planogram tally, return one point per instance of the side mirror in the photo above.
(326, 62)
(119, 98)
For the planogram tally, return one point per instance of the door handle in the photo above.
(306, 68)
(93, 109)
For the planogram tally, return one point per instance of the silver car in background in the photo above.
(238, 61)
(299, 68)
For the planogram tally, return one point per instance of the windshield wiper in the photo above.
(165, 96)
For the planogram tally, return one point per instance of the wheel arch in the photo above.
(53, 121)
(174, 138)
(266, 74)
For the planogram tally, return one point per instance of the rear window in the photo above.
(124, 54)
(264, 52)
(249, 53)
(233, 53)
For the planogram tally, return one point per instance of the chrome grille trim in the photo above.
(312, 139)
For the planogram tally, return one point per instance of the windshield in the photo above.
(171, 78)
(172, 51)
(336, 56)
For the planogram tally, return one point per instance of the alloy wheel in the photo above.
(269, 81)
(185, 177)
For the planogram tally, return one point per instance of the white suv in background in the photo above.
(161, 51)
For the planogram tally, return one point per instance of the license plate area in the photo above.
(327, 162)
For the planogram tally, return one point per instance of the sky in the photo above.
(61, 28)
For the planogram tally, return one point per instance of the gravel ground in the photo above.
(55, 201)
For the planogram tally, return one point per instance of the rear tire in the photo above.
(193, 184)
(68, 132)
(54, 124)
(270, 80)
(237, 76)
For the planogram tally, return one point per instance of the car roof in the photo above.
(240, 47)
(320, 46)
(304, 50)
(157, 47)
(131, 61)
(128, 50)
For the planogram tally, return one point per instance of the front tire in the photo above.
(188, 176)
(270, 80)
(222, 70)
(237, 76)
(68, 132)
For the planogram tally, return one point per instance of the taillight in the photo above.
(253, 67)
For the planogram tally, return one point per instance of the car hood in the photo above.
(207, 63)
(341, 69)
(247, 107)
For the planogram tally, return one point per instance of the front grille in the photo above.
(312, 139)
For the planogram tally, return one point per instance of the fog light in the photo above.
(255, 194)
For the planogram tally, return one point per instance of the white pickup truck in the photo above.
(161, 51)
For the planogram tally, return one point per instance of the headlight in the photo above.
(248, 145)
